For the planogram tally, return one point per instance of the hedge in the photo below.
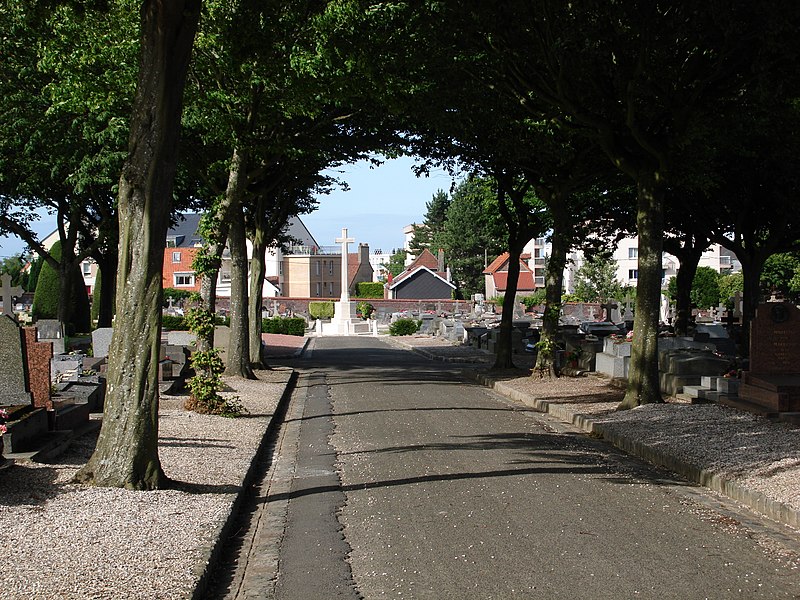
(369, 289)
(174, 323)
(284, 326)
(321, 310)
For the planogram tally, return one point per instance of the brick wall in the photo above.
(183, 265)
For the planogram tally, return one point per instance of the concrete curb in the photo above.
(212, 553)
(773, 509)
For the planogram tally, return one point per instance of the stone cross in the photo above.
(344, 241)
(8, 293)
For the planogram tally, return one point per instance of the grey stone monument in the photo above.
(51, 330)
(8, 293)
(101, 341)
(12, 375)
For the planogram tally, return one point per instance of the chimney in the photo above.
(440, 266)
(363, 254)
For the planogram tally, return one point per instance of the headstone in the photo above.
(773, 379)
(12, 374)
(101, 341)
(8, 293)
(38, 356)
(52, 330)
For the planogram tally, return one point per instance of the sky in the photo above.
(380, 202)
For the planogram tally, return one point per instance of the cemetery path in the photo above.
(395, 477)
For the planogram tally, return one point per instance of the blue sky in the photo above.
(380, 202)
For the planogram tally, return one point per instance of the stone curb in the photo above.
(432, 355)
(211, 554)
(773, 509)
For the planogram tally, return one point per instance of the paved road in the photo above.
(395, 478)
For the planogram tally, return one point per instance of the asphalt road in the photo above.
(396, 478)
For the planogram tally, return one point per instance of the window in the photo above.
(633, 273)
(633, 253)
(317, 270)
(183, 279)
(319, 287)
(330, 293)
(330, 268)
(171, 242)
(87, 268)
(176, 257)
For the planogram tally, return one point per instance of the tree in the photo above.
(432, 225)
(397, 263)
(778, 272)
(50, 298)
(473, 230)
(126, 454)
(728, 286)
(596, 279)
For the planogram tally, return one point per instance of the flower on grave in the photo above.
(3, 421)
(629, 336)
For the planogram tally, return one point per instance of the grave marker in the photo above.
(773, 380)
(8, 293)
(12, 375)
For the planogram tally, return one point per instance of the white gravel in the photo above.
(62, 540)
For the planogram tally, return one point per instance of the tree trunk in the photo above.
(126, 454)
(504, 358)
(554, 277)
(751, 294)
(643, 382)
(238, 364)
(684, 280)
(108, 268)
(258, 270)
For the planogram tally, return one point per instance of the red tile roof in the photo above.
(524, 284)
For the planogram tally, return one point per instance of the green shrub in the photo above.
(366, 309)
(369, 289)
(174, 323)
(48, 289)
(284, 326)
(175, 294)
(321, 310)
(404, 327)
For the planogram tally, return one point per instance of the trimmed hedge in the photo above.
(284, 326)
(369, 289)
(321, 310)
(174, 323)
(404, 327)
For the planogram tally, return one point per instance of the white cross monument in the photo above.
(8, 293)
(345, 311)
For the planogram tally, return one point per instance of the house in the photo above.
(316, 272)
(496, 277)
(183, 243)
(425, 278)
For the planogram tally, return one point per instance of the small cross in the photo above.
(8, 293)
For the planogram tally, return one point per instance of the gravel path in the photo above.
(63, 540)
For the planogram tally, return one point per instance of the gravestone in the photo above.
(773, 379)
(52, 330)
(101, 341)
(8, 293)
(13, 390)
(38, 356)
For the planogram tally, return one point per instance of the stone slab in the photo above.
(101, 341)
(13, 389)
